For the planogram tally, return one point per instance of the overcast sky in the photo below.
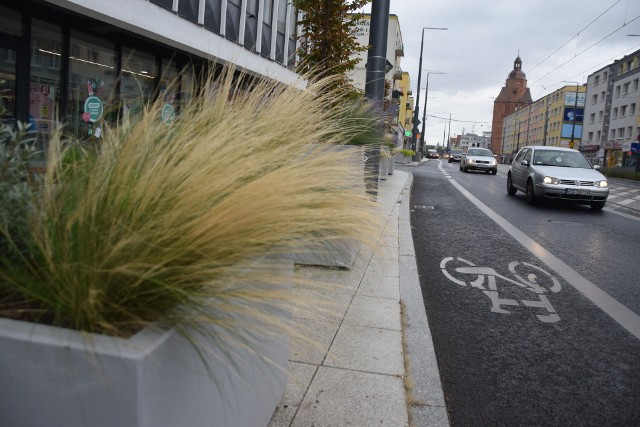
(557, 40)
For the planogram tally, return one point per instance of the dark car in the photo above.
(556, 173)
(432, 153)
(456, 155)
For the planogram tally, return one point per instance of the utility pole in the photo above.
(374, 84)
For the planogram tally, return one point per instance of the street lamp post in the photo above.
(424, 111)
(416, 113)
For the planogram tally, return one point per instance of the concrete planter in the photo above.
(392, 164)
(336, 252)
(60, 377)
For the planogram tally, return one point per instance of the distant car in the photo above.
(479, 159)
(456, 155)
(432, 153)
(556, 173)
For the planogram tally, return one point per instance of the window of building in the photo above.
(91, 86)
(603, 95)
(635, 84)
(596, 80)
(598, 135)
(629, 131)
(46, 82)
(232, 29)
(137, 84)
(623, 111)
(592, 117)
(613, 134)
(632, 109)
(625, 88)
(267, 15)
(618, 91)
(605, 75)
(590, 136)
(167, 4)
(189, 9)
(594, 99)
(10, 22)
(600, 116)
(213, 15)
(620, 133)
(280, 26)
(614, 114)
(251, 25)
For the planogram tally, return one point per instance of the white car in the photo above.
(556, 173)
(479, 159)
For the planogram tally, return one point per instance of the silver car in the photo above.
(556, 173)
(479, 159)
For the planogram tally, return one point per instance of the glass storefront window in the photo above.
(46, 82)
(10, 22)
(7, 86)
(169, 88)
(92, 78)
(137, 85)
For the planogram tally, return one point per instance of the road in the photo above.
(534, 310)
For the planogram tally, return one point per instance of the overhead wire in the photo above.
(577, 34)
(583, 51)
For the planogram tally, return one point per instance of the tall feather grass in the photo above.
(171, 223)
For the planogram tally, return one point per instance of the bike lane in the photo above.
(516, 344)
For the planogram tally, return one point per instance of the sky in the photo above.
(558, 41)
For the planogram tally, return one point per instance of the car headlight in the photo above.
(551, 180)
(469, 160)
(602, 184)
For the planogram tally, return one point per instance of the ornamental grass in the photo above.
(182, 223)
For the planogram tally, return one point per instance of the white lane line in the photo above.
(618, 312)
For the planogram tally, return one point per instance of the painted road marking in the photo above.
(617, 311)
(529, 283)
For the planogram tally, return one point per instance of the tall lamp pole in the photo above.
(424, 111)
(416, 113)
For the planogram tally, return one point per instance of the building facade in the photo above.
(395, 78)
(612, 116)
(555, 119)
(84, 63)
(513, 96)
(471, 140)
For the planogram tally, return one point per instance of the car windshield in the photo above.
(456, 151)
(565, 159)
(482, 152)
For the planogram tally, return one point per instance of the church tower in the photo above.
(513, 96)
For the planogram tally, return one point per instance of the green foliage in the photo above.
(16, 149)
(328, 39)
(407, 153)
(624, 173)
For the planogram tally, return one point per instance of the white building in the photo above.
(612, 111)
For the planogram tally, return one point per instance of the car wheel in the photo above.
(466, 169)
(460, 166)
(511, 190)
(531, 195)
(597, 206)
(449, 160)
(495, 171)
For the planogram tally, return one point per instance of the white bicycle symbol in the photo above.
(530, 283)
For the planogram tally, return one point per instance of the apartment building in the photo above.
(612, 119)
(394, 76)
(555, 119)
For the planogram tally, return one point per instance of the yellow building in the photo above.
(555, 120)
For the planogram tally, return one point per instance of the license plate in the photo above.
(579, 191)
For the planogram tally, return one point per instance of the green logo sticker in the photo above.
(94, 108)
(168, 114)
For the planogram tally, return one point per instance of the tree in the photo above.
(328, 38)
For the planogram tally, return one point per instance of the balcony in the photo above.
(397, 73)
(399, 48)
